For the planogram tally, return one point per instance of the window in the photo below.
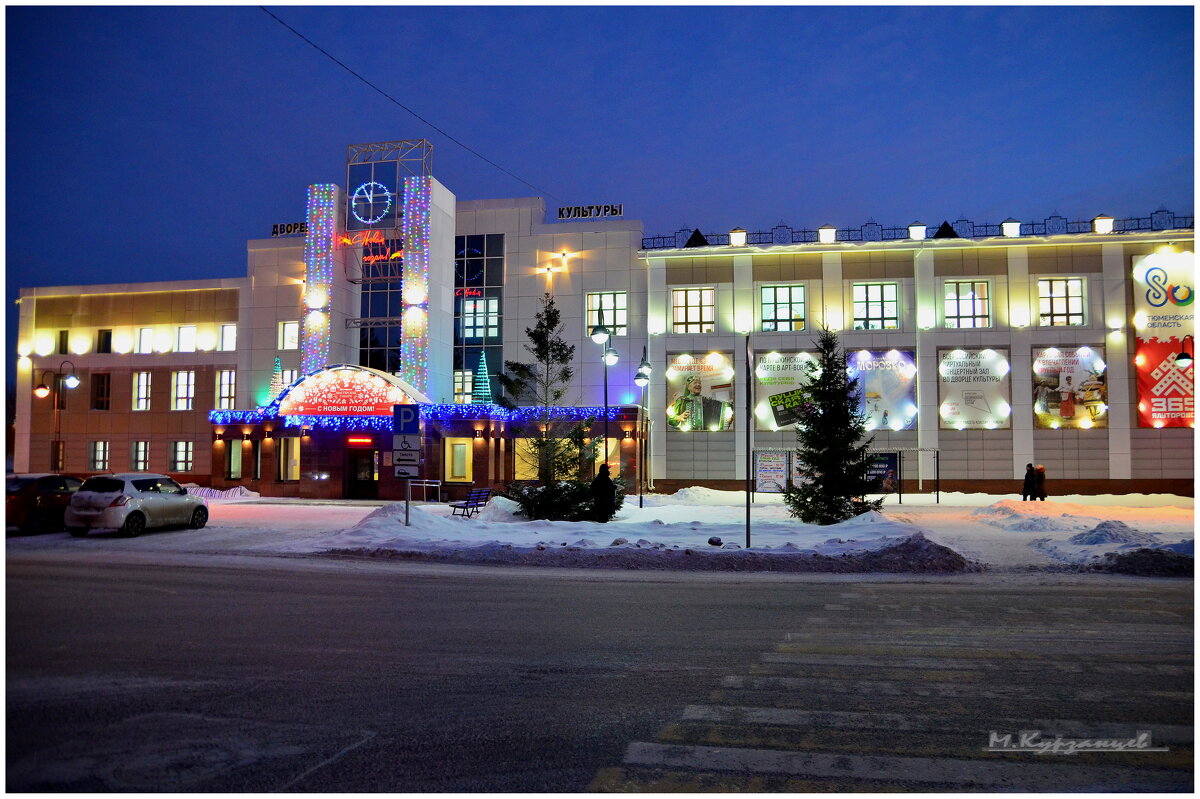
(614, 304)
(256, 459)
(966, 303)
(458, 460)
(98, 456)
(480, 318)
(288, 376)
(139, 459)
(101, 392)
(145, 340)
(463, 381)
(104, 341)
(694, 310)
(233, 460)
(1060, 301)
(181, 456)
(525, 459)
(141, 391)
(183, 390)
(226, 384)
(186, 340)
(64, 337)
(228, 338)
(289, 459)
(782, 308)
(289, 335)
(876, 307)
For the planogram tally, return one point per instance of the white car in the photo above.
(131, 503)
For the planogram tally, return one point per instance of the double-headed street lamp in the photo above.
(641, 379)
(44, 390)
(601, 335)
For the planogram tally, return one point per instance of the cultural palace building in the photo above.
(979, 348)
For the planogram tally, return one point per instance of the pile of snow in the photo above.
(1146, 562)
(1114, 532)
(237, 492)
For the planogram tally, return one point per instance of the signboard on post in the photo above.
(770, 472)
(406, 448)
(885, 471)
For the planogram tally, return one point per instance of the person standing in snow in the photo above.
(1029, 487)
(1039, 484)
(604, 495)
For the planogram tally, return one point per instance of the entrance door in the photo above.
(362, 474)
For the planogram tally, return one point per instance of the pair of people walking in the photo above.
(1034, 487)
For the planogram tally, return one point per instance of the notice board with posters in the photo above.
(771, 472)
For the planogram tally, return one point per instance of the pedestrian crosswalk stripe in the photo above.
(910, 662)
(946, 690)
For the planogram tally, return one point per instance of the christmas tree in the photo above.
(833, 459)
(276, 387)
(481, 388)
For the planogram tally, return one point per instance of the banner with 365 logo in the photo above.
(1164, 320)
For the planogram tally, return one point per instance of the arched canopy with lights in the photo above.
(345, 390)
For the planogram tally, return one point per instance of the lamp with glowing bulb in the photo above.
(1184, 359)
(641, 378)
(600, 333)
(45, 389)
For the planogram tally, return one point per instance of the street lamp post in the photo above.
(41, 392)
(641, 379)
(601, 335)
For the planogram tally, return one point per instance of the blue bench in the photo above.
(476, 499)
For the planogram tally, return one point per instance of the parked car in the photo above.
(35, 502)
(131, 503)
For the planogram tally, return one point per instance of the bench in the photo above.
(476, 499)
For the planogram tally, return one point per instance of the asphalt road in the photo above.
(163, 672)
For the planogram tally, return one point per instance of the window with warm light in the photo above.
(288, 376)
(182, 453)
(145, 341)
(876, 306)
(289, 335)
(233, 460)
(183, 390)
(480, 319)
(782, 308)
(185, 341)
(141, 391)
(139, 456)
(1061, 301)
(98, 456)
(227, 339)
(458, 460)
(464, 381)
(967, 303)
(226, 388)
(694, 310)
(289, 459)
(615, 305)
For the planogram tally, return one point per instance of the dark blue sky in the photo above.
(150, 143)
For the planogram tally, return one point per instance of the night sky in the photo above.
(151, 143)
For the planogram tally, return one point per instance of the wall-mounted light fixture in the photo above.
(1011, 228)
(1102, 224)
(916, 231)
(827, 234)
(1184, 359)
(628, 435)
(478, 433)
(737, 237)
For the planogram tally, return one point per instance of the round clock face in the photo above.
(370, 202)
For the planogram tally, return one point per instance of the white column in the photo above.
(743, 315)
(657, 320)
(1122, 383)
(1020, 319)
(925, 285)
(833, 315)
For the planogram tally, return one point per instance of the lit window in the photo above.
(233, 460)
(226, 385)
(288, 376)
(289, 335)
(694, 310)
(966, 304)
(181, 456)
(145, 340)
(615, 307)
(1060, 301)
(228, 341)
(141, 391)
(458, 456)
(480, 318)
(98, 456)
(782, 308)
(464, 381)
(186, 340)
(876, 306)
(183, 390)
(289, 459)
(140, 457)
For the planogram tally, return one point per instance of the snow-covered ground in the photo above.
(997, 531)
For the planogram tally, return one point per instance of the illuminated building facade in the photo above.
(979, 348)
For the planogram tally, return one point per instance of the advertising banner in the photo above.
(885, 472)
(770, 472)
(1070, 388)
(779, 377)
(700, 392)
(887, 383)
(1164, 316)
(974, 390)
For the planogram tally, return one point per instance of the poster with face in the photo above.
(974, 390)
(780, 376)
(887, 385)
(1070, 388)
(700, 392)
(1164, 321)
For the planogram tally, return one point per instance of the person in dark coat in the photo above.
(1040, 483)
(604, 495)
(1029, 487)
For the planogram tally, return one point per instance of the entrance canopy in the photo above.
(345, 390)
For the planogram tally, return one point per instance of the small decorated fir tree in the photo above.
(481, 387)
(276, 387)
(833, 458)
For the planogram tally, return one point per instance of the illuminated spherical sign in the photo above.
(342, 392)
(700, 392)
(887, 385)
(1070, 388)
(973, 389)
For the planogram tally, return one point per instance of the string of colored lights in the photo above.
(318, 260)
(414, 344)
(432, 412)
